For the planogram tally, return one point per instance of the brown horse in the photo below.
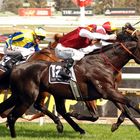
(95, 79)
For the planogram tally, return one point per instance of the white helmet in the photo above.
(40, 32)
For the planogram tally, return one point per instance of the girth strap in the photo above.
(76, 91)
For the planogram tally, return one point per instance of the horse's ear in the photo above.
(129, 26)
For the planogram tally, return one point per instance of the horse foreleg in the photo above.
(131, 117)
(91, 116)
(108, 91)
(120, 120)
(60, 107)
(118, 99)
(39, 105)
(92, 108)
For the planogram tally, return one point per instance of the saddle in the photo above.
(54, 78)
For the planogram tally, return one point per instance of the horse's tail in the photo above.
(6, 105)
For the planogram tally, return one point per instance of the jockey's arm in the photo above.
(36, 47)
(95, 36)
(31, 44)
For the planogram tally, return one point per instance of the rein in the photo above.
(127, 50)
(106, 59)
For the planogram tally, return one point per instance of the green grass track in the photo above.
(33, 131)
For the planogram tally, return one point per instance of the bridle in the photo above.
(125, 48)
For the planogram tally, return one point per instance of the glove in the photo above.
(112, 37)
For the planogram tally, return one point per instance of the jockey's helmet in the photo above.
(109, 26)
(40, 33)
(91, 27)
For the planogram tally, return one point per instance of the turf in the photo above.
(33, 131)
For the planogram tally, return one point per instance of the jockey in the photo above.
(83, 40)
(20, 44)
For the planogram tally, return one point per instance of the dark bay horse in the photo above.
(95, 78)
(46, 54)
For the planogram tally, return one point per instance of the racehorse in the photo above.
(46, 54)
(95, 79)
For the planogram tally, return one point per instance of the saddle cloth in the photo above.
(54, 77)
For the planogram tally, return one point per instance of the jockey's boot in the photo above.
(11, 62)
(65, 71)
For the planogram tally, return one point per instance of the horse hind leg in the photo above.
(17, 112)
(60, 107)
(39, 105)
(7, 104)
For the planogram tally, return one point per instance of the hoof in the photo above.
(82, 132)
(59, 128)
(114, 127)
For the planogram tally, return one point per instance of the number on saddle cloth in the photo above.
(54, 77)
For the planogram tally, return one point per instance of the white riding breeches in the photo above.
(65, 53)
(94, 47)
(23, 51)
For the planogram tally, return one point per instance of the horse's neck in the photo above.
(114, 55)
(46, 54)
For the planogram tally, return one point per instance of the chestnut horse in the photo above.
(95, 78)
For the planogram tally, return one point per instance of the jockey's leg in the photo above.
(14, 58)
(65, 71)
(69, 55)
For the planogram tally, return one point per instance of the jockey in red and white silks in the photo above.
(79, 42)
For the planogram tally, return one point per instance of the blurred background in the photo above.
(11, 7)
(61, 16)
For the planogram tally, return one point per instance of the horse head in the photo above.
(131, 38)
